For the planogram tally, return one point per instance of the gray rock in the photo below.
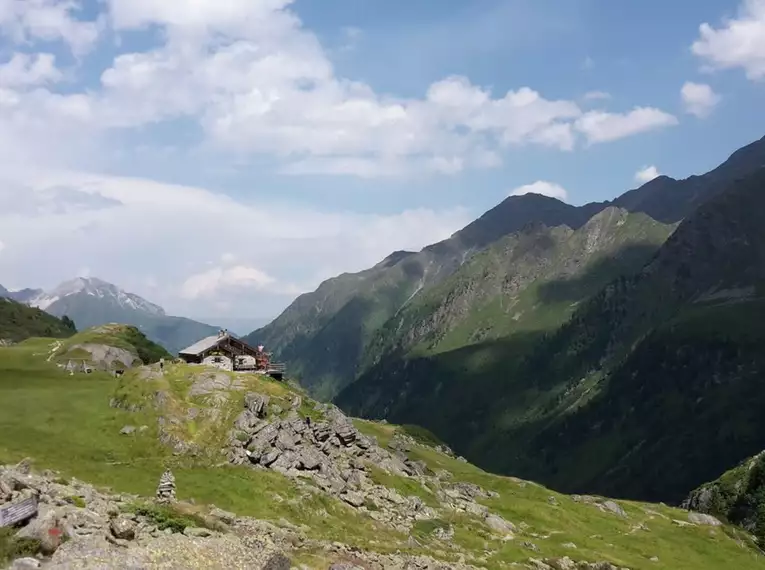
(615, 508)
(196, 532)
(477, 510)
(223, 516)
(286, 461)
(702, 519)
(353, 498)
(277, 561)
(417, 467)
(286, 441)
(123, 528)
(321, 431)
(345, 566)
(25, 564)
(270, 457)
(46, 528)
(497, 523)
(310, 458)
(256, 403)
(127, 430)
(246, 421)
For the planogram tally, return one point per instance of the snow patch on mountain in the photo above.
(95, 288)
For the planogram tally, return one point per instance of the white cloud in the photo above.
(212, 282)
(48, 20)
(542, 187)
(2, 246)
(24, 70)
(247, 80)
(699, 99)
(597, 95)
(646, 174)
(738, 43)
(257, 82)
(599, 126)
(264, 253)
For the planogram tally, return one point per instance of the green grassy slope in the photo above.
(323, 335)
(125, 337)
(448, 357)
(19, 322)
(65, 423)
(529, 281)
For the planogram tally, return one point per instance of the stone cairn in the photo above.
(166, 487)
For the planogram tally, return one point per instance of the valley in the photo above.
(608, 348)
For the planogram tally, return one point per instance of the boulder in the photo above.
(256, 403)
(225, 517)
(353, 498)
(196, 532)
(123, 528)
(46, 528)
(615, 508)
(25, 564)
(270, 457)
(703, 519)
(497, 523)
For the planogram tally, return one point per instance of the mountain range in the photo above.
(91, 301)
(602, 348)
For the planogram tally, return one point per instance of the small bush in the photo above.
(12, 547)
(76, 501)
(168, 516)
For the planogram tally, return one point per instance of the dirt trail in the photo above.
(55, 346)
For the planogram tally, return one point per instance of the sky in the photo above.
(219, 157)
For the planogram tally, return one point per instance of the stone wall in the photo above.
(219, 361)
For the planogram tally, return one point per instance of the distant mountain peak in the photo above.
(95, 287)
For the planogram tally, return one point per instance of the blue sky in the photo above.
(221, 156)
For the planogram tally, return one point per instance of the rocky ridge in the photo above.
(337, 458)
(79, 527)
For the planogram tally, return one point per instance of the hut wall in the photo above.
(219, 361)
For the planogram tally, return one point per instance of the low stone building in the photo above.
(227, 352)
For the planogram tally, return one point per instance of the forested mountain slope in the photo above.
(650, 389)
(324, 335)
